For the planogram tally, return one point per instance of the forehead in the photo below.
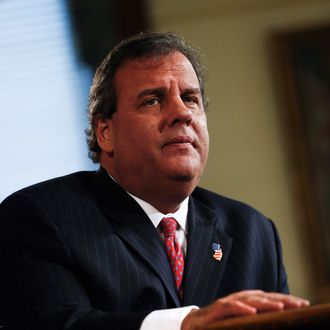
(148, 72)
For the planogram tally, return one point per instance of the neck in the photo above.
(163, 200)
(161, 196)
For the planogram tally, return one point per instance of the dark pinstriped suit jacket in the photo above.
(78, 252)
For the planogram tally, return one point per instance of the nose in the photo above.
(177, 112)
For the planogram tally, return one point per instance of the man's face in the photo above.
(158, 133)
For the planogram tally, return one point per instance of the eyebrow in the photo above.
(192, 91)
(152, 91)
(161, 91)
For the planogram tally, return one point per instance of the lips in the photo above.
(183, 139)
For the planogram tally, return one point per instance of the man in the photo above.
(131, 244)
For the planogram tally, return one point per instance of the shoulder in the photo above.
(231, 214)
(46, 206)
(222, 203)
(69, 180)
(50, 190)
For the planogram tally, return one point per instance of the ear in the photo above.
(103, 131)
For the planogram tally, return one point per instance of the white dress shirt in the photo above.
(180, 216)
(167, 319)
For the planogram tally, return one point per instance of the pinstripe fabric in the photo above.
(79, 253)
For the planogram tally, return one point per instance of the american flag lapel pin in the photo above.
(217, 251)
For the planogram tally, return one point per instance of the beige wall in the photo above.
(248, 155)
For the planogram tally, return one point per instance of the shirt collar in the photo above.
(156, 216)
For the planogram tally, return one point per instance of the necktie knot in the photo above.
(168, 226)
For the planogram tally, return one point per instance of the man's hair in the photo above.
(102, 97)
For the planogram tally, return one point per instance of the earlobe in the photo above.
(103, 131)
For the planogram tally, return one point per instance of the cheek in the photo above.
(203, 132)
(205, 147)
(136, 139)
(204, 143)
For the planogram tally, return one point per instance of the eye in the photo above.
(151, 102)
(190, 99)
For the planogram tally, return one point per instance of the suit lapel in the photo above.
(202, 274)
(145, 241)
(135, 228)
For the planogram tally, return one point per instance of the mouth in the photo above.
(180, 141)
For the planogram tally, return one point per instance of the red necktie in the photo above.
(173, 250)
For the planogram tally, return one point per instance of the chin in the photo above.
(182, 178)
(182, 170)
(185, 176)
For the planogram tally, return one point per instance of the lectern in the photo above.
(309, 318)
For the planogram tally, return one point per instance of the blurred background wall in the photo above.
(43, 90)
(42, 136)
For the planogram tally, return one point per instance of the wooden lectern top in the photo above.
(309, 318)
